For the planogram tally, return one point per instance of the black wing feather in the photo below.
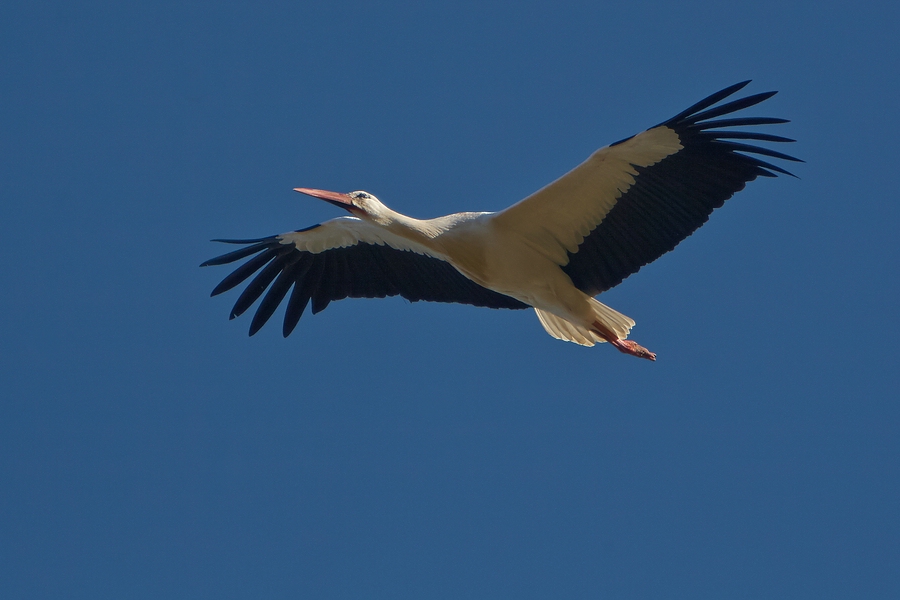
(298, 300)
(733, 106)
(672, 198)
(710, 100)
(360, 271)
(259, 284)
(239, 275)
(748, 135)
(236, 255)
(274, 296)
(745, 122)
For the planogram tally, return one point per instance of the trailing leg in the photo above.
(624, 346)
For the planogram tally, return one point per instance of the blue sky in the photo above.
(149, 448)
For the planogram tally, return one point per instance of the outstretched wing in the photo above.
(342, 258)
(633, 201)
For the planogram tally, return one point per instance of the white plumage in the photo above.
(622, 208)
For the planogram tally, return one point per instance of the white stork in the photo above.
(622, 208)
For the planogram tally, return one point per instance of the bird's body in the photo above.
(554, 251)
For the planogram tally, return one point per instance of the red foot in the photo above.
(632, 348)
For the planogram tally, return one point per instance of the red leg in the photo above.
(624, 346)
(632, 348)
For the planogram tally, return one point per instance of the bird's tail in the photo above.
(565, 330)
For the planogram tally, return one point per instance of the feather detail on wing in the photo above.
(559, 216)
(342, 258)
(635, 200)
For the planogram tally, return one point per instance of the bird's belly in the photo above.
(531, 277)
(508, 264)
(526, 281)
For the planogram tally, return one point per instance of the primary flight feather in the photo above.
(624, 207)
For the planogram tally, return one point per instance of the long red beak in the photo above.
(336, 198)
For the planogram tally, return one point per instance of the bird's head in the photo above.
(359, 203)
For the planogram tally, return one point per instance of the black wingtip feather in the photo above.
(691, 124)
(730, 107)
(709, 101)
(274, 296)
(256, 287)
(270, 238)
(741, 122)
(770, 166)
(295, 307)
(236, 255)
(736, 147)
(748, 135)
(247, 269)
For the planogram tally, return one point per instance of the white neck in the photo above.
(422, 232)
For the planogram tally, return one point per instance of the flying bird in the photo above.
(625, 206)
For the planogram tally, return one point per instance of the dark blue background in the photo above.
(149, 449)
